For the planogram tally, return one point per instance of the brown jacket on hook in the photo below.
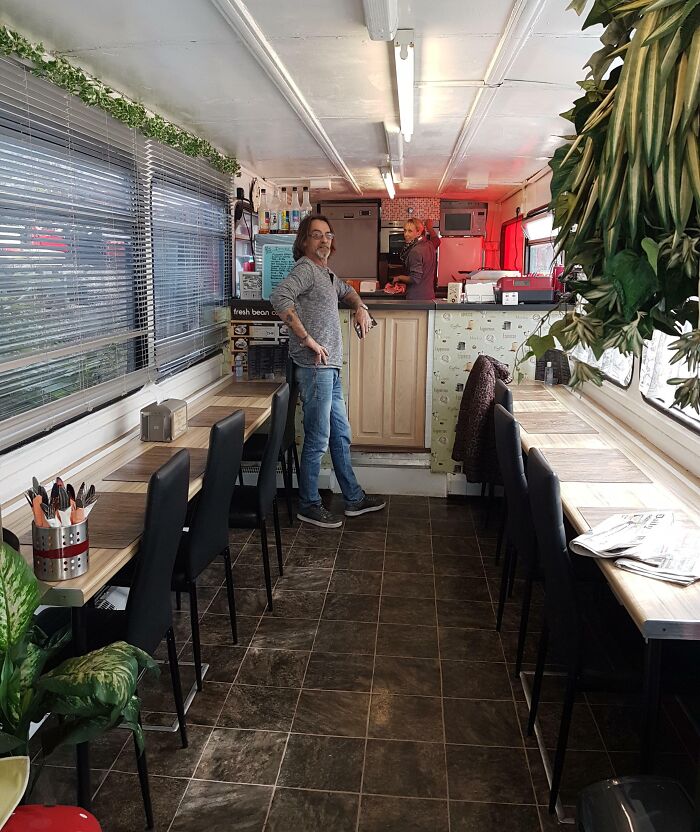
(475, 438)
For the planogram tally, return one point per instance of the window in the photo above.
(654, 372)
(615, 366)
(539, 246)
(72, 274)
(115, 257)
(191, 267)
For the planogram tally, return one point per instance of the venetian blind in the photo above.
(191, 258)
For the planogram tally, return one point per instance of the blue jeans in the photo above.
(325, 425)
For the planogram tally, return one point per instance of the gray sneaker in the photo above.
(319, 516)
(366, 504)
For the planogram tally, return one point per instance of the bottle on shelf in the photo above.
(306, 208)
(296, 210)
(263, 213)
(284, 213)
(549, 375)
(274, 213)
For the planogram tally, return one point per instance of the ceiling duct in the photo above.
(394, 145)
(381, 18)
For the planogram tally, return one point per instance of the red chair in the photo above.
(51, 819)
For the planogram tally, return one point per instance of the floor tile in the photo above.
(407, 676)
(331, 671)
(394, 814)
(310, 556)
(356, 539)
(458, 565)
(476, 680)
(401, 585)
(337, 713)
(455, 545)
(296, 604)
(409, 769)
(253, 706)
(481, 774)
(250, 575)
(479, 817)
(284, 633)
(482, 722)
(119, 808)
(237, 756)
(297, 810)
(305, 579)
(351, 582)
(406, 718)
(476, 645)
(407, 640)
(351, 607)
(333, 763)
(418, 562)
(419, 611)
(399, 542)
(470, 614)
(345, 637)
(216, 629)
(276, 668)
(360, 559)
(461, 589)
(165, 754)
(210, 806)
(401, 524)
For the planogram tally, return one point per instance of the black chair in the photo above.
(504, 397)
(520, 532)
(148, 616)
(562, 614)
(251, 505)
(207, 535)
(10, 538)
(254, 448)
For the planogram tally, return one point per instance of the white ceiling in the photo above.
(183, 59)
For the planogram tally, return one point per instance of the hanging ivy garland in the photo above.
(626, 191)
(96, 94)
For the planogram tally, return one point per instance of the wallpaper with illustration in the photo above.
(460, 337)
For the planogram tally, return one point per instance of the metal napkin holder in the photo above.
(61, 553)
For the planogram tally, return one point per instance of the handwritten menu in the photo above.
(277, 263)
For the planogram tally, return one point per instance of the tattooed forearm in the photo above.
(290, 317)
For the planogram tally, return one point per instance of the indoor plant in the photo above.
(89, 693)
(626, 190)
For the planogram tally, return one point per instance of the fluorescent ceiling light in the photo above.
(381, 18)
(404, 61)
(394, 146)
(388, 182)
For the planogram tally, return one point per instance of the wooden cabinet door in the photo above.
(387, 381)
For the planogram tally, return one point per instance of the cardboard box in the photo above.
(454, 292)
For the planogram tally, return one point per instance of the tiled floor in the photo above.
(378, 696)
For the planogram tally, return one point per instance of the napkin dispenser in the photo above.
(163, 422)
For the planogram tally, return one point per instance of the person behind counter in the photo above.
(307, 301)
(418, 257)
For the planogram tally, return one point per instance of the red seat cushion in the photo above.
(51, 819)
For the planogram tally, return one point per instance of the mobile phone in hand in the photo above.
(358, 328)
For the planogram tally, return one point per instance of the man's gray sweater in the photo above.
(314, 293)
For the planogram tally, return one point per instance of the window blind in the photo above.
(114, 257)
(191, 258)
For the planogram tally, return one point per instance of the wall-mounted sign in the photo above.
(277, 263)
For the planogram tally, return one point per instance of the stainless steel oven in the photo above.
(391, 237)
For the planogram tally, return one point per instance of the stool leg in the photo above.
(196, 645)
(524, 616)
(287, 477)
(278, 536)
(564, 726)
(537, 685)
(296, 460)
(505, 572)
(142, 769)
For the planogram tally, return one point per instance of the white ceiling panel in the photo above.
(454, 17)
(358, 140)
(551, 57)
(436, 103)
(533, 100)
(502, 168)
(454, 57)
(556, 19)
(309, 19)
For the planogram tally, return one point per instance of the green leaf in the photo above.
(19, 596)
(540, 344)
(8, 742)
(651, 249)
(634, 280)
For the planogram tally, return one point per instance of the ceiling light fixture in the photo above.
(394, 145)
(388, 182)
(404, 61)
(381, 18)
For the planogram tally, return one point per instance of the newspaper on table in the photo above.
(646, 543)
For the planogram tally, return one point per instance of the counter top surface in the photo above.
(380, 300)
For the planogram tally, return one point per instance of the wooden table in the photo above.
(254, 398)
(227, 396)
(660, 610)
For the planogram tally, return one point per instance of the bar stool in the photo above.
(503, 396)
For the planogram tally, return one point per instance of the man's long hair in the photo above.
(304, 232)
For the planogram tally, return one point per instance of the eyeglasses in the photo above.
(319, 235)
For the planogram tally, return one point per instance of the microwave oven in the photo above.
(461, 218)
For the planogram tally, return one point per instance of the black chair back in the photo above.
(503, 395)
(510, 461)
(289, 436)
(208, 535)
(148, 610)
(10, 538)
(267, 478)
(560, 603)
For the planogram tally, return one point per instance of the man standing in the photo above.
(307, 301)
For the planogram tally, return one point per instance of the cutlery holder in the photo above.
(60, 553)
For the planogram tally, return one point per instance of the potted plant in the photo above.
(626, 190)
(89, 694)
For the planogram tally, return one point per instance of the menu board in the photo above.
(277, 263)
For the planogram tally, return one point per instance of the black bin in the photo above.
(634, 804)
